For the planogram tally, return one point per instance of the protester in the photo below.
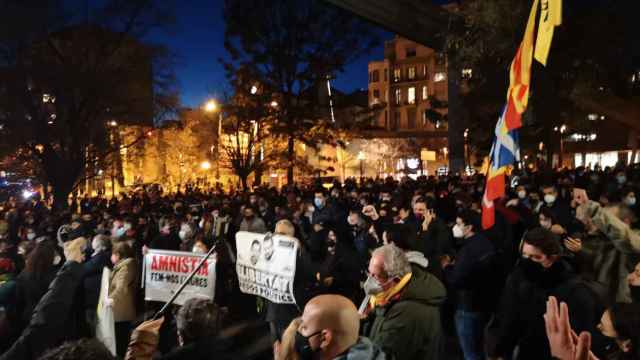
(100, 259)
(621, 323)
(329, 329)
(403, 312)
(122, 290)
(472, 276)
(540, 272)
(198, 324)
(85, 349)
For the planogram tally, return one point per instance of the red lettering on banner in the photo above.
(162, 263)
(154, 263)
(184, 268)
(173, 263)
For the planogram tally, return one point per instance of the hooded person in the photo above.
(403, 313)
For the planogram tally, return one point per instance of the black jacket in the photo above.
(199, 351)
(29, 291)
(472, 274)
(49, 324)
(434, 243)
(520, 321)
(92, 278)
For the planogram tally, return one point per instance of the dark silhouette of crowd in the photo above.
(386, 269)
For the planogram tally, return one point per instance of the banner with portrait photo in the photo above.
(164, 271)
(266, 265)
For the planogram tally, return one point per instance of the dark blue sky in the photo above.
(198, 40)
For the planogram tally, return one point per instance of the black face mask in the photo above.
(303, 347)
(531, 269)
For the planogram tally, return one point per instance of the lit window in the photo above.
(439, 76)
(46, 98)
(398, 96)
(375, 76)
(396, 75)
(411, 96)
(412, 73)
(467, 73)
(425, 92)
(424, 70)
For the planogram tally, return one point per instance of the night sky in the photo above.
(198, 40)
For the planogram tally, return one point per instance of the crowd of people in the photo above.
(386, 269)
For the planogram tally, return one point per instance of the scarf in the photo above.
(386, 296)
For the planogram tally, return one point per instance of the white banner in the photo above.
(266, 265)
(164, 271)
(105, 326)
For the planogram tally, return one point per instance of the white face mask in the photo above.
(522, 194)
(56, 260)
(458, 233)
(182, 234)
(630, 201)
(31, 236)
(549, 198)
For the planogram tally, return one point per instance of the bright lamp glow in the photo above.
(27, 194)
(210, 106)
(205, 165)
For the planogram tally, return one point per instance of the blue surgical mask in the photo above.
(621, 179)
(318, 202)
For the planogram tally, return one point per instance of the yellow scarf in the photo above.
(384, 297)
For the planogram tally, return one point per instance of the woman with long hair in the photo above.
(34, 280)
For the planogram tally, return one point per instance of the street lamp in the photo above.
(205, 165)
(211, 106)
(361, 157)
(562, 129)
(466, 148)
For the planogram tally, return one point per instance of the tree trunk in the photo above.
(243, 180)
(456, 119)
(290, 156)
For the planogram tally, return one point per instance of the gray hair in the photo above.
(103, 242)
(396, 264)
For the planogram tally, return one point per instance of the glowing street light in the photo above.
(254, 90)
(211, 106)
(274, 104)
(205, 165)
(113, 123)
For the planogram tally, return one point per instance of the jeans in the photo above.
(470, 329)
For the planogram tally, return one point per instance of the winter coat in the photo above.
(255, 225)
(614, 257)
(93, 278)
(48, 327)
(519, 320)
(409, 327)
(471, 275)
(364, 349)
(29, 291)
(434, 243)
(345, 270)
(122, 289)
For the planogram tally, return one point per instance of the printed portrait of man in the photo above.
(256, 249)
(267, 247)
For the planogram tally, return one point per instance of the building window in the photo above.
(411, 95)
(386, 95)
(425, 92)
(411, 52)
(376, 96)
(411, 118)
(375, 76)
(386, 75)
(412, 73)
(395, 120)
(424, 70)
(396, 74)
(467, 73)
(398, 96)
(439, 76)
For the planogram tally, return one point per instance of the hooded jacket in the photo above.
(409, 327)
(364, 349)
